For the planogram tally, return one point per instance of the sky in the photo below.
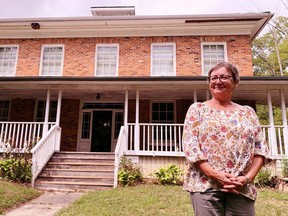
(75, 8)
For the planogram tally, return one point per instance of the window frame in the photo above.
(202, 53)
(42, 55)
(44, 110)
(174, 58)
(117, 59)
(16, 58)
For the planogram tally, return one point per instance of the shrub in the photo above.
(128, 174)
(171, 175)
(263, 177)
(285, 168)
(16, 167)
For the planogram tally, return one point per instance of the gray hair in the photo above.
(229, 67)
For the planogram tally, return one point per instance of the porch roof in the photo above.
(151, 88)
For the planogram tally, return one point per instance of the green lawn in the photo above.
(160, 200)
(12, 195)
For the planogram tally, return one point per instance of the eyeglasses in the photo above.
(222, 78)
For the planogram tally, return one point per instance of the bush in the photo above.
(285, 168)
(263, 177)
(128, 174)
(16, 167)
(171, 175)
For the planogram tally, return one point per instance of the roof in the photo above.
(136, 26)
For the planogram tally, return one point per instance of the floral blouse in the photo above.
(228, 140)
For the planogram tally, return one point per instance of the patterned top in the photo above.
(228, 140)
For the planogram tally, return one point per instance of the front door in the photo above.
(101, 131)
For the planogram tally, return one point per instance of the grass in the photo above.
(12, 195)
(160, 200)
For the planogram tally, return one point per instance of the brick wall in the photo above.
(69, 124)
(134, 54)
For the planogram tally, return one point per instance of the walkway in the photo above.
(46, 205)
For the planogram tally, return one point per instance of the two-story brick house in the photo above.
(122, 79)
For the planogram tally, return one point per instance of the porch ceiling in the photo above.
(156, 88)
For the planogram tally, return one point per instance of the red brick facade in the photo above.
(134, 54)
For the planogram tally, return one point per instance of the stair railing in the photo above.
(119, 151)
(43, 150)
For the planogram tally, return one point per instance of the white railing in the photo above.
(44, 149)
(20, 136)
(156, 139)
(166, 139)
(119, 151)
(275, 137)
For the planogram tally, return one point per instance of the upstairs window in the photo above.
(212, 54)
(4, 110)
(163, 59)
(8, 60)
(107, 60)
(52, 60)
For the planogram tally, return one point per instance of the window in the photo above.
(212, 54)
(163, 60)
(4, 110)
(52, 60)
(41, 107)
(107, 60)
(86, 121)
(8, 60)
(162, 112)
(118, 123)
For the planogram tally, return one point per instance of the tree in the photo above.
(270, 51)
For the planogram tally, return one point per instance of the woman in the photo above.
(225, 148)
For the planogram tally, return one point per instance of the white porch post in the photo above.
(136, 132)
(284, 119)
(126, 119)
(45, 127)
(57, 148)
(59, 107)
(207, 94)
(195, 95)
(272, 132)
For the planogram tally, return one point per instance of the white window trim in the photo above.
(117, 59)
(41, 58)
(212, 43)
(16, 60)
(174, 57)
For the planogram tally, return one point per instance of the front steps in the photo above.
(77, 171)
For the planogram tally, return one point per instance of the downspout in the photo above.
(284, 119)
(272, 131)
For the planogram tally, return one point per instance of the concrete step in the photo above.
(71, 186)
(77, 172)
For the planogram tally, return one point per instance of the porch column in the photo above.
(45, 127)
(284, 119)
(271, 130)
(126, 119)
(207, 94)
(136, 132)
(59, 106)
(195, 95)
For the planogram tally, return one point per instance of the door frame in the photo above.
(84, 145)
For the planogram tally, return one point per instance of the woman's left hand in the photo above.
(237, 184)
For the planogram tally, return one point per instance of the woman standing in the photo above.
(225, 149)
